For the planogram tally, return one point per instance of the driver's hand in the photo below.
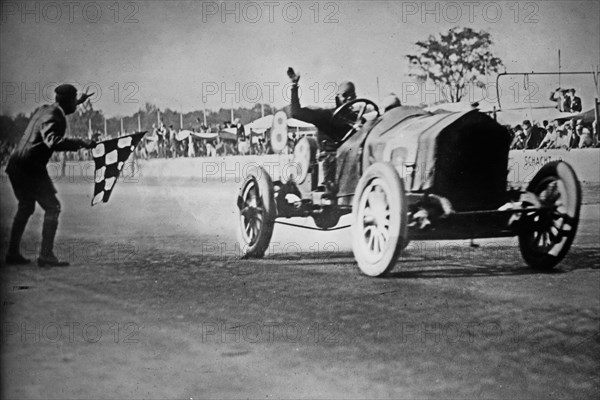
(294, 77)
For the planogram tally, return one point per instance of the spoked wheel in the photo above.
(256, 203)
(379, 213)
(548, 234)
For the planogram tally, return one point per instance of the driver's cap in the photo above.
(346, 89)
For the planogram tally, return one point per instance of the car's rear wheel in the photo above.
(379, 212)
(548, 234)
(256, 202)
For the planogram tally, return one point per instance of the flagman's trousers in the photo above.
(30, 188)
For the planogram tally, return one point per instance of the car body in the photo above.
(410, 174)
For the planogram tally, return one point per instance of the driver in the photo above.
(328, 135)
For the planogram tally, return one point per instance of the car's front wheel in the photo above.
(379, 227)
(256, 202)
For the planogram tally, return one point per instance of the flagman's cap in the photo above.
(66, 90)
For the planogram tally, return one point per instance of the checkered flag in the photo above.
(109, 157)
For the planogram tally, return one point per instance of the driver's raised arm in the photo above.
(318, 117)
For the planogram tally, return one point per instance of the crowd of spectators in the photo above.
(230, 138)
(571, 134)
(166, 142)
(200, 141)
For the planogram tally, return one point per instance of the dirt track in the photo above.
(156, 304)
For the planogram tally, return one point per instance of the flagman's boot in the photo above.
(51, 261)
(47, 257)
(14, 257)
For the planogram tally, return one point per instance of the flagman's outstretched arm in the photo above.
(52, 130)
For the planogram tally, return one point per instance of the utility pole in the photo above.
(559, 68)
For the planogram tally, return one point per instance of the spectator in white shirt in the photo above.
(563, 140)
(549, 140)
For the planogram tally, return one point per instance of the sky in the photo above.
(182, 55)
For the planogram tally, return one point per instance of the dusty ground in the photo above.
(157, 305)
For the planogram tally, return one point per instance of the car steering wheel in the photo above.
(347, 115)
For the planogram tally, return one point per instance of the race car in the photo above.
(408, 174)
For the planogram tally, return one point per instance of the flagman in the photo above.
(29, 177)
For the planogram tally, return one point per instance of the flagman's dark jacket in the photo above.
(43, 136)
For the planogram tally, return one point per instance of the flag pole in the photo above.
(122, 131)
(204, 112)
(139, 121)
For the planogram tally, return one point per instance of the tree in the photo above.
(455, 60)
(79, 120)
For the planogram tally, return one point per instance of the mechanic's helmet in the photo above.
(346, 92)
(390, 101)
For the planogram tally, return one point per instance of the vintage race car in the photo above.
(408, 174)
